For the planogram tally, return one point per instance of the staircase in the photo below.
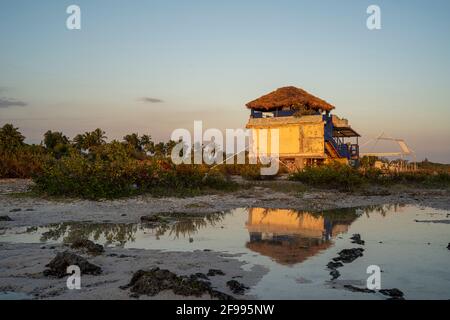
(330, 150)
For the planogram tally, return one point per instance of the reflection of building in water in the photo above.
(289, 236)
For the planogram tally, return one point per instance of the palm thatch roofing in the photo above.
(289, 97)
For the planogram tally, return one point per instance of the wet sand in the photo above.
(21, 265)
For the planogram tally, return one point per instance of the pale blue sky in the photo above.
(206, 59)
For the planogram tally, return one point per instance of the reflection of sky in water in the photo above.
(296, 246)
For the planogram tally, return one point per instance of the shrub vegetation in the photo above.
(89, 167)
(345, 178)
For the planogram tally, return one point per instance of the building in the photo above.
(308, 133)
(289, 237)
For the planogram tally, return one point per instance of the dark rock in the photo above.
(220, 295)
(448, 247)
(123, 215)
(58, 266)
(356, 238)
(334, 274)
(395, 298)
(191, 240)
(349, 255)
(215, 272)
(89, 246)
(156, 280)
(29, 209)
(393, 293)
(356, 289)
(236, 287)
(202, 276)
(15, 210)
(334, 265)
(5, 218)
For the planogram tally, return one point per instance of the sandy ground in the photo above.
(21, 265)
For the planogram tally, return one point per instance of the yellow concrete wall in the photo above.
(295, 139)
(312, 139)
(289, 139)
(284, 221)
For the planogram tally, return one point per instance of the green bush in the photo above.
(345, 178)
(110, 173)
(22, 162)
(333, 176)
(424, 179)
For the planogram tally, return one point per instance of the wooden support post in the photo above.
(299, 163)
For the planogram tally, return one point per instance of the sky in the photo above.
(155, 66)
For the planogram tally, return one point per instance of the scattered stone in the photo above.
(29, 209)
(220, 295)
(349, 255)
(393, 293)
(334, 265)
(334, 274)
(89, 246)
(58, 266)
(356, 289)
(236, 287)
(356, 238)
(156, 280)
(215, 272)
(201, 276)
(15, 210)
(5, 218)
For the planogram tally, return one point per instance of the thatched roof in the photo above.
(291, 97)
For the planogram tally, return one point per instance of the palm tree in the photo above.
(147, 144)
(133, 141)
(97, 137)
(90, 140)
(79, 141)
(160, 149)
(52, 139)
(10, 137)
(57, 143)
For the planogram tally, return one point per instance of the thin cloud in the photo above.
(3, 89)
(6, 103)
(150, 100)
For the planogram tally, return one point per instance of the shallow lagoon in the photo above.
(294, 246)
